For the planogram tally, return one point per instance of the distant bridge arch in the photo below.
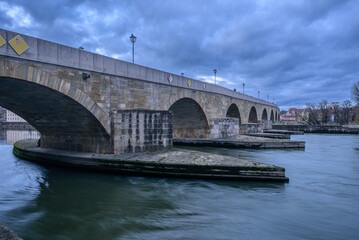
(264, 114)
(272, 116)
(233, 112)
(253, 117)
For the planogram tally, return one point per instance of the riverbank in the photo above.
(338, 129)
(175, 163)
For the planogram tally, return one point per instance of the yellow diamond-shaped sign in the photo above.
(2, 41)
(18, 44)
(189, 82)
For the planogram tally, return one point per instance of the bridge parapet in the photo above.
(52, 53)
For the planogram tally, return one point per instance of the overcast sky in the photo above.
(294, 51)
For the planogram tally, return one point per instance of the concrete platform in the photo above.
(176, 163)
(241, 141)
(276, 131)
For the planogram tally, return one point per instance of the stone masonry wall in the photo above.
(224, 127)
(255, 127)
(139, 130)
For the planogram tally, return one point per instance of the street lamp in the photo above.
(243, 87)
(267, 97)
(258, 93)
(133, 40)
(215, 72)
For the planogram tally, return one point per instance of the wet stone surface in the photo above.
(186, 157)
(7, 234)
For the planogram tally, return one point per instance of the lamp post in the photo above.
(267, 97)
(133, 40)
(215, 73)
(243, 87)
(258, 93)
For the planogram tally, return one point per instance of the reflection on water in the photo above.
(12, 136)
(319, 202)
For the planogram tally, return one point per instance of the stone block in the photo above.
(98, 63)
(46, 51)
(67, 56)
(86, 60)
(224, 127)
(109, 65)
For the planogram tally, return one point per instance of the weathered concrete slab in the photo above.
(269, 135)
(180, 164)
(283, 132)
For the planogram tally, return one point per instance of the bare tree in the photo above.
(325, 111)
(346, 113)
(336, 111)
(313, 118)
(355, 92)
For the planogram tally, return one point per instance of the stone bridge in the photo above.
(82, 101)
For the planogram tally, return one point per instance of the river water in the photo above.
(321, 201)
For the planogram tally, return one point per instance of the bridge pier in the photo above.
(255, 127)
(138, 130)
(77, 143)
(224, 127)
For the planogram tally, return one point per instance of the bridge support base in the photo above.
(224, 127)
(255, 127)
(77, 143)
(140, 130)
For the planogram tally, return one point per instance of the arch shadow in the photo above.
(233, 112)
(272, 116)
(189, 119)
(264, 115)
(253, 118)
(62, 122)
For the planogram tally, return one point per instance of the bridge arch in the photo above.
(189, 119)
(264, 115)
(253, 117)
(233, 112)
(272, 116)
(66, 117)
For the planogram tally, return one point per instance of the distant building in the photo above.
(293, 114)
(13, 136)
(2, 114)
(12, 117)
